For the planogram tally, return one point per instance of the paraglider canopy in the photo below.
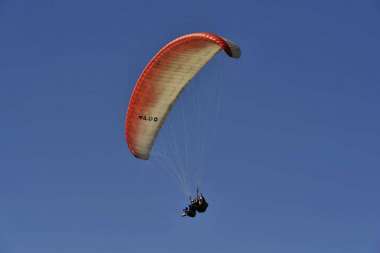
(162, 81)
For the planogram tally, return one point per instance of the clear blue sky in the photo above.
(299, 153)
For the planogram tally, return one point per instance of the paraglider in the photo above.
(201, 204)
(197, 204)
(189, 211)
(159, 86)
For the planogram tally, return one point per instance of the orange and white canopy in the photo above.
(162, 81)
